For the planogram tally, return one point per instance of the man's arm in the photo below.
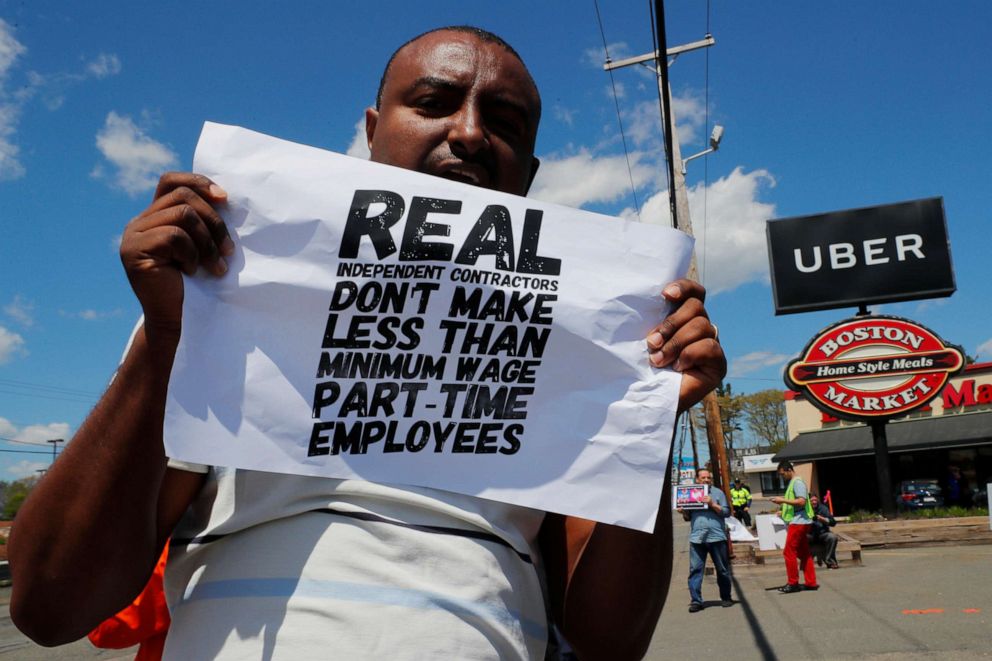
(88, 537)
(608, 584)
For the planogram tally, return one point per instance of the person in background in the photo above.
(740, 500)
(797, 512)
(707, 536)
(823, 543)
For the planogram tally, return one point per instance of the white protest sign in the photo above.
(390, 326)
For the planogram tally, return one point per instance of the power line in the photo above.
(616, 102)
(14, 440)
(41, 386)
(49, 454)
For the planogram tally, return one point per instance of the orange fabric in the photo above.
(145, 621)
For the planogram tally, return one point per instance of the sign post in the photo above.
(870, 368)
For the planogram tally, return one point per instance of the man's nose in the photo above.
(467, 134)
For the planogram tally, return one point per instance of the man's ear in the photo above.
(371, 118)
(534, 165)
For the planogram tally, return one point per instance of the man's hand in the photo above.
(777, 500)
(179, 231)
(687, 341)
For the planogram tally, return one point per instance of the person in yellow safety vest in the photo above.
(797, 513)
(740, 500)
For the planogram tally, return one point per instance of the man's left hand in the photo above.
(687, 341)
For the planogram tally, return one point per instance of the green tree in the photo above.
(765, 414)
(16, 493)
(731, 417)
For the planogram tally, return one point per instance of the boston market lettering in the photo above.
(873, 368)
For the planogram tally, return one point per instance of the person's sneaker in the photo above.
(695, 607)
(811, 587)
(727, 603)
(833, 565)
(790, 588)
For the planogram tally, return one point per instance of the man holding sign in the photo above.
(316, 566)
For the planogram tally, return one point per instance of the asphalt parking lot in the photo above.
(905, 603)
(909, 603)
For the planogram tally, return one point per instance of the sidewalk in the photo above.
(920, 603)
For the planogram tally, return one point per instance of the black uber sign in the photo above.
(895, 252)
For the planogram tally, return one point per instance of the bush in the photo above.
(944, 512)
(864, 516)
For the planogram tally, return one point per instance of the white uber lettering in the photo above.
(908, 243)
(842, 256)
(816, 260)
(871, 251)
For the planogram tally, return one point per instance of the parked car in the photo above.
(919, 494)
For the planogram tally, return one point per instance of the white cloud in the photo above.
(51, 87)
(103, 65)
(596, 57)
(21, 311)
(730, 240)
(985, 350)
(11, 344)
(91, 315)
(138, 159)
(617, 88)
(754, 361)
(584, 178)
(643, 124)
(359, 147)
(565, 115)
(39, 434)
(25, 468)
(10, 50)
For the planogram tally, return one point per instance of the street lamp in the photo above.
(715, 137)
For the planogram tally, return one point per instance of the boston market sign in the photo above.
(873, 368)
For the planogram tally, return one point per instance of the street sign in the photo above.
(895, 252)
(873, 368)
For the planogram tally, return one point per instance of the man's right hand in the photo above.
(180, 231)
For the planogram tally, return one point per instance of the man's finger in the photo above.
(204, 209)
(198, 182)
(185, 218)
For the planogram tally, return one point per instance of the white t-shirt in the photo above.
(274, 566)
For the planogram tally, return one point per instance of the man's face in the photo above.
(787, 474)
(814, 501)
(461, 108)
(705, 477)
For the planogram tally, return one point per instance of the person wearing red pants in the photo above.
(797, 512)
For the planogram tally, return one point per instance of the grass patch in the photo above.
(956, 511)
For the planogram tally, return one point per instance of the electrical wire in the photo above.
(616, 102)
(14, 440)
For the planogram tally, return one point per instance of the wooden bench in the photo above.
(845, 544)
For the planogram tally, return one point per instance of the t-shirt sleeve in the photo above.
(799, 489)
(188, 466)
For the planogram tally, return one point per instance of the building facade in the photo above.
(953, 432)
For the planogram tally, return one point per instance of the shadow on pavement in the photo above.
(760, 640)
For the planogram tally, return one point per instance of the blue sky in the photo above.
(826, 106)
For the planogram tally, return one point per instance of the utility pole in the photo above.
(711, 409)
(55, 444)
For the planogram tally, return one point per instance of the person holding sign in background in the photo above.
(265, 564)
(708, 536)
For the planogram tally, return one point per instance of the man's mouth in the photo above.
(466, 173)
